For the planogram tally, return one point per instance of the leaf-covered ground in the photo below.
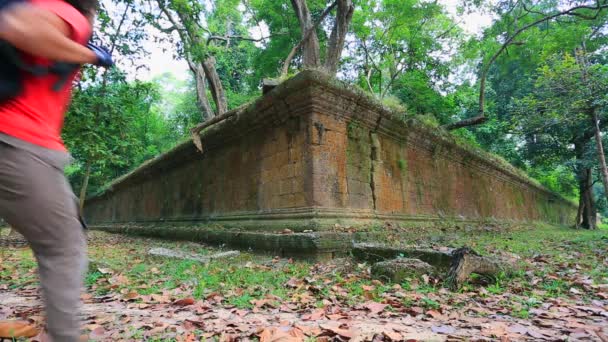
(561, 293)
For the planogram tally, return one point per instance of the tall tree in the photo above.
(207, 33)
(122, 32)
(560, 118)
(518, 18)
(309, 43)
(398, 37)
(108, 130)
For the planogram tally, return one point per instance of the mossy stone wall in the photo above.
(314, 152)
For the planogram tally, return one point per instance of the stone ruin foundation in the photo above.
(309, 154)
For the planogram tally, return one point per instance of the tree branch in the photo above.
(482, 85)
(229, 37)
(307, 34)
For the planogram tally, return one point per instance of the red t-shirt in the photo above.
(36, 115)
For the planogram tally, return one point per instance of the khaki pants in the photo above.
(36, 200)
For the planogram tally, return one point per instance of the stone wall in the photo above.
(314, 152)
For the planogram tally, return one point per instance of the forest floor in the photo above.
(561, 293)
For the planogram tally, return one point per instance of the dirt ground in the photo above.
(561, 295)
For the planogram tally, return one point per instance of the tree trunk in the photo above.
(466, 261)
(217, 89)
(579, 213)
(587, 209)
(600, 152)
(85, 185)
(338, 35)
(310, 49)
(201, 90)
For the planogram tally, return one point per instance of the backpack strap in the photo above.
(61, 69)
(64, 71)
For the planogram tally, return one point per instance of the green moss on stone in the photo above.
(402, 164)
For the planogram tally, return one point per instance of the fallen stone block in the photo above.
(398, 263)
(400, 269)
(376, 253)
(466, 261)
(312, 245)
(169, 253)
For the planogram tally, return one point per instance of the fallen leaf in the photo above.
(535, 334)
(105, 270)
(375, 308)
(98, 333)
(314, 316)
(118, 280)
(337, 328)
(132, 295)
(13, 329)
(162, 299)
(225, 337)
(184, 302)
(393, 335)
(434, 313)
(281, 334)
(312, 331)
(415, 311)
(199, 324)
(294, 282)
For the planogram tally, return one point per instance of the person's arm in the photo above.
(42, 33)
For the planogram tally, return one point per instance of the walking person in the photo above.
(35, 197)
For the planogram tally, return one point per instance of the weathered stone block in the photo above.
(400, 269)
(377, 253)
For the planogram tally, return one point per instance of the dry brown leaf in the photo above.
(118, 279)
(495, 329)
(162, 299)
(294, 282)
(337, 317)
(337, 328)
(14, 329)
(393, 335)
(281, 334)
(434, 313)
(415, 311)
(98, 333)
(375, 308)
(132, 295)
(315, 315)
(312, 331)
(158, 328)
(198, 324)
(225, 337)
(184, 302)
